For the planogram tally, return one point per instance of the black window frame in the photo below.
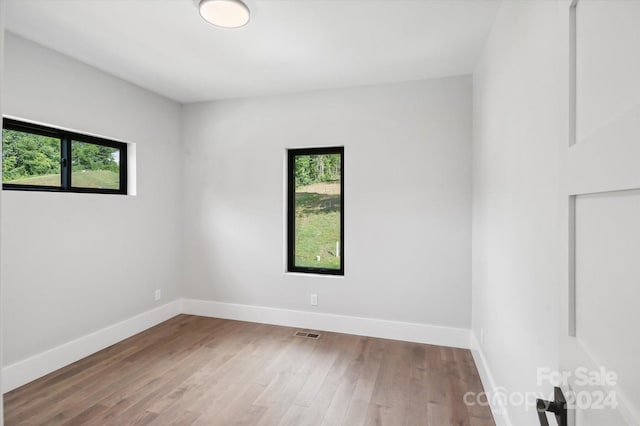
(66, 165)
(291, 207)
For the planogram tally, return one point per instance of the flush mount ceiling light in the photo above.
(225, 13)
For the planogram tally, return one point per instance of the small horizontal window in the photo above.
(39, 158)
(316, 210)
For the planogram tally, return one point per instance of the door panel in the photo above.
(607, 65)
(607, 252)
(600, 320)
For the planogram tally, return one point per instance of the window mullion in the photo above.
(65, 163)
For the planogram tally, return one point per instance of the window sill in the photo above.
(312, 274)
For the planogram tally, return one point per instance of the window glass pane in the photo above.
(30, 159)
(317, 211)
(94, 166)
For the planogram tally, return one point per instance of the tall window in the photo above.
(316, 210)
(39, 158)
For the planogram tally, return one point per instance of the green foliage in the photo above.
(312, 169)
(26, 156)
(88, 156)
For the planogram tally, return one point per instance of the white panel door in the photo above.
(600, 333)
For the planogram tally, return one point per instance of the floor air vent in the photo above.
(307, 335)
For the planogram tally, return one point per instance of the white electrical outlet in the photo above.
(314, 299)
(158, 294)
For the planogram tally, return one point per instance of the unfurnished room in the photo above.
(320, 212)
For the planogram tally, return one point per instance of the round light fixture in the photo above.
(225, 13)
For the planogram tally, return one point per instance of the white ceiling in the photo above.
(289, 45)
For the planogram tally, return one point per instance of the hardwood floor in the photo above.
(207, 371)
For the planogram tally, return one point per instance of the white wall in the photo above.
(75, 263)
(407, 200)
(519, 129)
(1, 290)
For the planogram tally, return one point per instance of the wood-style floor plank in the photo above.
(205, 371)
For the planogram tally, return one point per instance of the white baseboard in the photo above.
(27, 370)
(396, 330)
(34, 367)
(500, 414)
